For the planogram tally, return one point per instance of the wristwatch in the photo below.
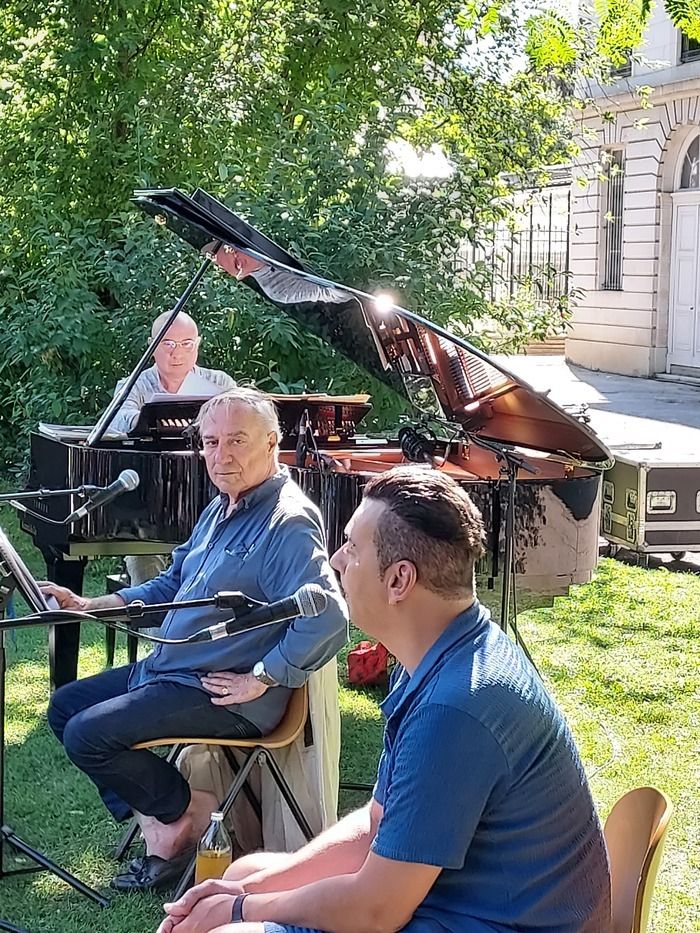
(261, 674)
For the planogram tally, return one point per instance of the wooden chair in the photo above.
(289, 729)
(635, 832)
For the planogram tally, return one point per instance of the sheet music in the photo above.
(72, 432)
(322, 398)
(170, 398)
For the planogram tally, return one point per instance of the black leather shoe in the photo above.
(152, 873)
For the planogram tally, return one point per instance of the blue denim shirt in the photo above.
(271, 544)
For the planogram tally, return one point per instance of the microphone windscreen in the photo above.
(311, 599)
(129, 479)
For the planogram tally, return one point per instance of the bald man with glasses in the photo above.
(174, 372)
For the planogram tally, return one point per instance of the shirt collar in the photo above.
(194, 371)
(465, 627)
(266, 490)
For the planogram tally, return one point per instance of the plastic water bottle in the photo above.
(214, 852)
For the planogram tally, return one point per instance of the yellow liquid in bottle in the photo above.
(211, 864)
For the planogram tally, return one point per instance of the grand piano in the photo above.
(533, 469)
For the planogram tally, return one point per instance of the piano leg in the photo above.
(64, 640)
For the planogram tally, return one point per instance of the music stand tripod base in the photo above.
(44, 863)
(11, 928)
(12, 571)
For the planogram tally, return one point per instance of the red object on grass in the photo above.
(367, 664)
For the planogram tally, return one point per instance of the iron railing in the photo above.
(531, 253)
(612, 221)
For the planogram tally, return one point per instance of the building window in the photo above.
(612, 220)
(690, 49)
(690, 173)
(624, 68)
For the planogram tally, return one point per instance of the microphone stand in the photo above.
(42, 493)
(512, 463)
(14, 499)
(7, 834)
(235, 602)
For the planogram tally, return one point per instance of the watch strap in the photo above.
(237, 909)
(263, 676)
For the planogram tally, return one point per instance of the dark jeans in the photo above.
(98, 720)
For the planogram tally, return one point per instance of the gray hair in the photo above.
(261, 404)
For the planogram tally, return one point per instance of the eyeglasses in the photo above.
(189, 344)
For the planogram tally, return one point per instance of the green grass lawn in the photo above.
(621, 656)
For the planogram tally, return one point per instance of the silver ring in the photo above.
(224, 690)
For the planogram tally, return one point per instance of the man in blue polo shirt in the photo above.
(481, 818)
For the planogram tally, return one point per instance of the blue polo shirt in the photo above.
(479, 775)
(270, 545)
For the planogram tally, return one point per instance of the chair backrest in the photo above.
(290, 727)
(635, 831)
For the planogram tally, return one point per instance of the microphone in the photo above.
(309, 600)
(417, 446)
(125, 482)
(302, 431)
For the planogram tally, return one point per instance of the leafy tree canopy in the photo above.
(285, 109)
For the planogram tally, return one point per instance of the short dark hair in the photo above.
(431, 522)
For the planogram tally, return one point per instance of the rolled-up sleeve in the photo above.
(296, 555)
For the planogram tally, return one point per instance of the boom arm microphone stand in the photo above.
(237, 604)
(15, 498)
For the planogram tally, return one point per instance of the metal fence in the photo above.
(531, 251)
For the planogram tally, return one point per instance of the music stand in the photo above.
(14, 574)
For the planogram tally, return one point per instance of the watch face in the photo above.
(261, 674)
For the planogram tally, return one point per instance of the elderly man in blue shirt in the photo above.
(261, 536)
(481, 818)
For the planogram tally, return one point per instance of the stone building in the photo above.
(635, 233)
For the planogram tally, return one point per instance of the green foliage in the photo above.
(286, 109)
(551, 41)
(621, 26)
(685, 14)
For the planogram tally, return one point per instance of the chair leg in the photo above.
(132, 647)
(110, 640)
(247, 789)
(285, 790)
(132, 829)
(127, 838)
(234, 790)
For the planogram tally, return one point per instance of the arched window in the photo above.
(690, 174)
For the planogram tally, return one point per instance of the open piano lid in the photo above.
(395, 345)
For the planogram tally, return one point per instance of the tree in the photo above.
(287, 109)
